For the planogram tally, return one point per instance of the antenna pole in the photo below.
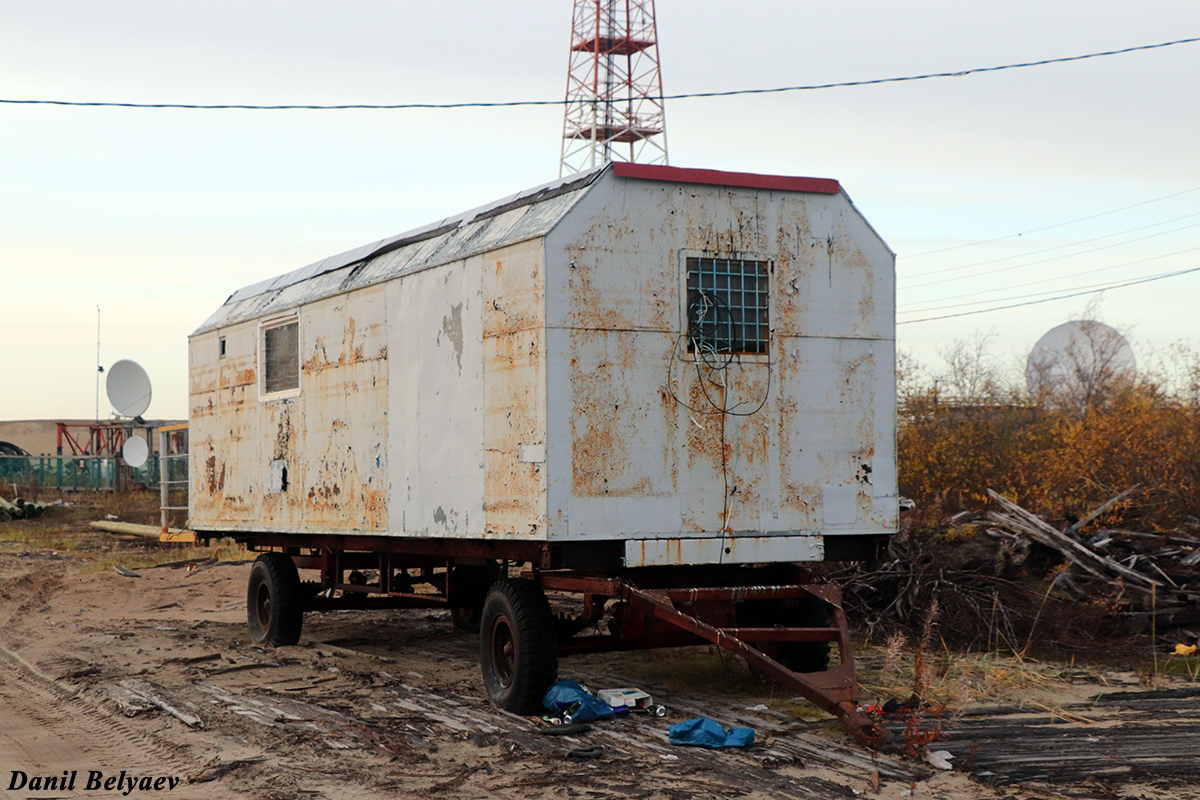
(99, 368)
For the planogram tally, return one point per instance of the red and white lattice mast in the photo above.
(614, 90)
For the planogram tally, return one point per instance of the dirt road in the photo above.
(133, 680)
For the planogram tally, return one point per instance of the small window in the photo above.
(281, 357)
(221, 347)
(727, 306)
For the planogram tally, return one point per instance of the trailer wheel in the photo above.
(275, 601)
(477, 579)
(518, 651)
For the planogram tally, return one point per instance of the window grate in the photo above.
(727, 306)
(281, 357)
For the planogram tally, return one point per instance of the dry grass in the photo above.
(64, 529)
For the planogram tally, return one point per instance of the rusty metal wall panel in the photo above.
(436, 401)
(515, 434)
(330, 437)
(665, 552)
(223, 395)
(638, 444)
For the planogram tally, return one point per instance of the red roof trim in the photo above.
(782, 183)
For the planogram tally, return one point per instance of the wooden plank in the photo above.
(1100, 509)
(157, 696)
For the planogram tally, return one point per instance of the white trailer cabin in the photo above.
(662, 389)
(634, 366)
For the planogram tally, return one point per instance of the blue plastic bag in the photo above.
(569, 697)
(704, 732)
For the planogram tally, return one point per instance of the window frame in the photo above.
(264, 326)
(685, 259)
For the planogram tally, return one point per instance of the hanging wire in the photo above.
(513, 103)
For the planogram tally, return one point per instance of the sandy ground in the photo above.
(155, 677)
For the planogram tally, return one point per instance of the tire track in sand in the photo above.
(48, 726)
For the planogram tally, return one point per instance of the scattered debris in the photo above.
(571, 701)
(219, 769)
(1145, 571)
(137, 693)
(938, 758)
(977, 564)
(128, 573)
(586, 752)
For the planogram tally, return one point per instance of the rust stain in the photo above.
(210, 472)
(591, 307)
(514, 491)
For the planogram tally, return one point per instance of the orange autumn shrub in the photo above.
(1055, 461)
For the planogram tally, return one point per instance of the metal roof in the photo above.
(516, 218)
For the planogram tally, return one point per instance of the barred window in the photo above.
(727, 306)
(281, 357)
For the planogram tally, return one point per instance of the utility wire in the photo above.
(909, 307)
(1029, 253)
(989, 273)
(1106, 288)
(1046, 228)
(687, 96)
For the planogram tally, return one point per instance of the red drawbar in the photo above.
(782, 183)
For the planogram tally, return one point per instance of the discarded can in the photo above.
(657, 711)
(552, 720)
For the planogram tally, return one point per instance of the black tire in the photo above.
(518, 650)
(470, 583)
(275, 601)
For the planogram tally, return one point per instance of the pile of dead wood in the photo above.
(1154, 577)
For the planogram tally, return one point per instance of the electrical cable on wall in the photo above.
(713, 358)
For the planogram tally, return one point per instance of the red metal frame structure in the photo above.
(103, 438)
(614, 87)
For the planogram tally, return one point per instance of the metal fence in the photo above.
(76, 472)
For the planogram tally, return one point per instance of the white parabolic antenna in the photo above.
(135, 451)
(1078, 355)
(128, 388)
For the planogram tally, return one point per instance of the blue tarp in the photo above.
(704, 732)
(564, 696)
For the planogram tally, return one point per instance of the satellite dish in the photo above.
(1079, 357)
(128, 388)
(135, 451)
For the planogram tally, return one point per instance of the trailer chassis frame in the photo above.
(650, 608)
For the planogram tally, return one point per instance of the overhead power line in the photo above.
(1038, 230)
(513, 103)
(914, 308)
(1075, 254)
(1104, 288)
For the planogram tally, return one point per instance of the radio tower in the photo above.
(614, 91)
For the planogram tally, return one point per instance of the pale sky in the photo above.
(156, 216)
